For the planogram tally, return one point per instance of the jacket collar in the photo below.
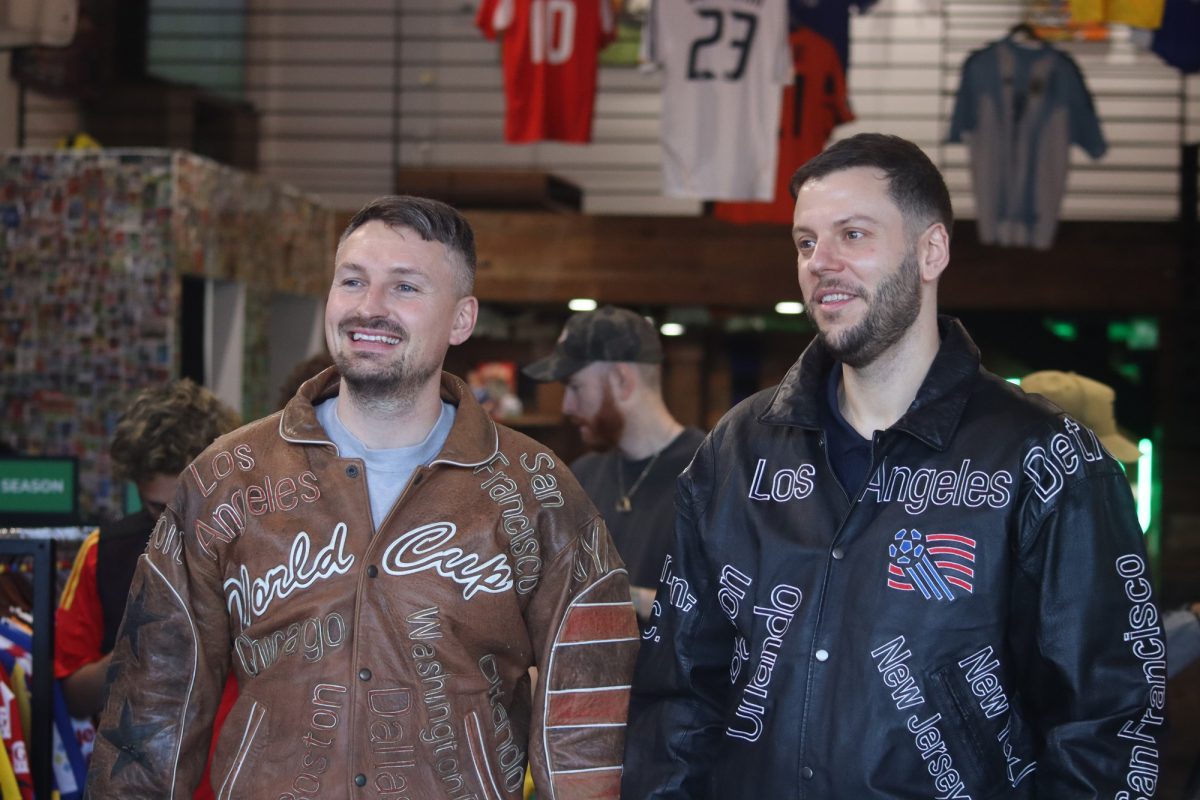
(934, 414)
(473, 440)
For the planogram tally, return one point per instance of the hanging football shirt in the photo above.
(1019, 109)
(550, 50)
(831, 19)
(68, 757)
(1177, 42)
(1137, 13)
(79, 620)
(813, 105)
(9, 790)
(14, 742)
(723, 63)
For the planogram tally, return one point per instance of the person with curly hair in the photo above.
(161, 430)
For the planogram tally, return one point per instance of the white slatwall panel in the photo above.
(329, 77)
(324, 77)
(901, 47)
(452, 112)
(48, 119)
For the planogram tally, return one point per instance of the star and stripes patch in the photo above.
(941, 566)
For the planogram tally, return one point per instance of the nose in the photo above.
(568, 403)
(371, 303)
(821, 258)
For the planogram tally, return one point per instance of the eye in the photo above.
(854, 234)
(806, 244)
(350, 282)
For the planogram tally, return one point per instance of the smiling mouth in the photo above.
(380, 338)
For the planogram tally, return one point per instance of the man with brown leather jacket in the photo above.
(381, 564)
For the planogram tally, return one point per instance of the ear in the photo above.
(466, 311)
(623, 379)
(933, 252)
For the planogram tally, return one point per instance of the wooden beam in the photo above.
(494, 188)
(1123, 267)
(632, 260)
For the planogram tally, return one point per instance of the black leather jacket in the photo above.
(976, 622)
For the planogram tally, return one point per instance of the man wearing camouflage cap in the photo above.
(611, 363)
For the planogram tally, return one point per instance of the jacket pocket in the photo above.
(985, 740)
(238, 766)
(488, 788)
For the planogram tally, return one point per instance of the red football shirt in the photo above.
(813, 106)
(79, 622)
(550, 50)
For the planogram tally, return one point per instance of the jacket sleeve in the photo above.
(676, 718)
(169, 664)
(584, 631)
(1087, 631)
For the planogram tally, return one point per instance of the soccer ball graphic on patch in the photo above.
(932, 565)
(907, 547)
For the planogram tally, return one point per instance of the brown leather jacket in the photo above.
(372, 665)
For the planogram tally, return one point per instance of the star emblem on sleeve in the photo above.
(129, 740)
(136, 616)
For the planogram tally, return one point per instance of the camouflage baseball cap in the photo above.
(606, 334)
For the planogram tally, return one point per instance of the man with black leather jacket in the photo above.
(895, 575)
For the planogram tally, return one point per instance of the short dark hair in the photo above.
(915, 185)
(433, 220)
(164, 427)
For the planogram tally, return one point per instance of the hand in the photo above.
(643, 601)
(86, 689)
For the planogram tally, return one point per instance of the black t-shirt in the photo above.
(849, 453)
(117, 552)
(643, 534)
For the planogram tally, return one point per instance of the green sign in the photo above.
(37, 486)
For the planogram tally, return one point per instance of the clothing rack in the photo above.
(41, 743)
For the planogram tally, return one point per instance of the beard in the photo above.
(891, 310)
(602, 431)
(378, 383)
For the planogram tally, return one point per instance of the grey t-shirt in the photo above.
(388, 469)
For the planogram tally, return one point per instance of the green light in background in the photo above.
(1143, 334)
(1144, 475)
(1136, 333)
(1014, 381)
(1063, 329)
(1131, 371)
